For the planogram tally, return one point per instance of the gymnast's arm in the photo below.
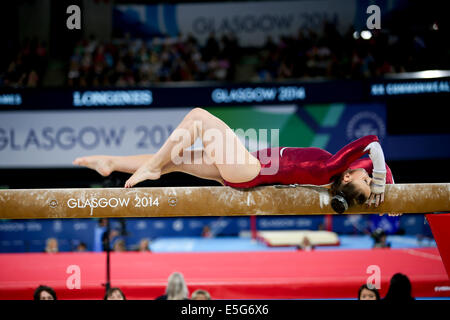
(342, 160)
(381, 175)
(378, 184)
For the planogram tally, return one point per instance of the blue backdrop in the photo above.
(31, 235)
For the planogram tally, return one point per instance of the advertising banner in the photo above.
(54, 138)
(250, 22)
(213, 94)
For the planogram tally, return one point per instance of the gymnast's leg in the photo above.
(219, 141)
(203, 170)
(105, 165)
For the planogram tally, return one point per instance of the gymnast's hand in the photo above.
(377, 188)
(376, 199)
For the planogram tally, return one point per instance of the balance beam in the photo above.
(208, 201)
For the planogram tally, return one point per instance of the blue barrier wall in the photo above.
(31, 235)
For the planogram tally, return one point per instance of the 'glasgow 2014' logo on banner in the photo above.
(366, 123)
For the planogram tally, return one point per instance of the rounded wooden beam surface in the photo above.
(208, 201)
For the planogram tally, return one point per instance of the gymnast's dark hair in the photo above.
(345, 195)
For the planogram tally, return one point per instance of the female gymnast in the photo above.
(344, 173)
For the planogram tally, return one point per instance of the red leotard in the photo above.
(312, 165)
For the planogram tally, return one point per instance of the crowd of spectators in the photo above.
(176, 289)
(329, 54)
(116, 238)
(137, 62)
(309, 54)
(400, 290)
(26, 65)
(324, 52)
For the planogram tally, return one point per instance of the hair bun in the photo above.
(339, 204)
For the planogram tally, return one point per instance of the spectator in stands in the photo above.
(305, 245)
(200, 295)
(119, 245)
(399, 289)
(176, 288)
(101, 240)
(99, 235)
(144, 245)
(114, 294)
(366, 293)
(44, 293)
(26, 66)
(52, 245)
(211, 48)
(206, 232)
(380, 239)
(81, 247)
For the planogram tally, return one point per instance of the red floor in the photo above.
(249, 275)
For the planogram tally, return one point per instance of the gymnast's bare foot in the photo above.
(145, 172)
(101, 164)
